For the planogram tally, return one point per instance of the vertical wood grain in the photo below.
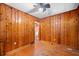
(16, 28)
(64, 29)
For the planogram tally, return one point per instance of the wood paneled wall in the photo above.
(61, 29)
(16, 29)
(45, 29)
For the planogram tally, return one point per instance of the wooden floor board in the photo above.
(43, 48)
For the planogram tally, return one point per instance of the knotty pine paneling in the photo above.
(16, 29)
(45, 25)
(78, 28)
(3, 34)
(55, 28)
(42, 33)
(1, 41)
(63, 29)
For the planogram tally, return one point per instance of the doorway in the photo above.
(36, 32)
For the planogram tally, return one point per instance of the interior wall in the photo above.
(61, 29)
(16, 29)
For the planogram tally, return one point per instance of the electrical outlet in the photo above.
(14, 43)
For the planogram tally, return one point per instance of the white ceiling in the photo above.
(56, 8)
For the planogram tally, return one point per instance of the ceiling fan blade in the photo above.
(41, 4)
(47, 6)
(37, 6)
(33, 10)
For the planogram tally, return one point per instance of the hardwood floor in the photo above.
(43, 48)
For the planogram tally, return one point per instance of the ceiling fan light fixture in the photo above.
(40, 7)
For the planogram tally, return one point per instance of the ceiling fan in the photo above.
(43, 6)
